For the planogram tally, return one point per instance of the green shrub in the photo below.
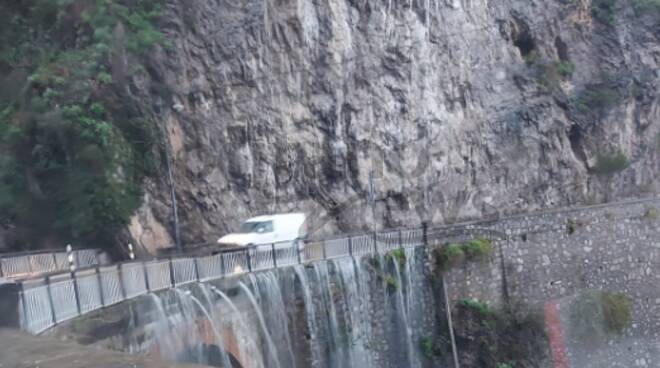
(611, 163)
(374, 262)
(397, 255)
(604, 10)
(651, 213)
(390, 283)
(647, 8)
(481, 308)
(448, 256)
(598, 98)
(478, 248)
(595, 314)
(452, 254)
(617, 310)
(427, 346)
(565, 68)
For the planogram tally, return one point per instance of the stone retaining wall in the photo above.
(555, 255)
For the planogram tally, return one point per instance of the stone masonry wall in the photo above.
(553, 256)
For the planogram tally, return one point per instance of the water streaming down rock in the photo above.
(266, 334)
(310, 311)
(272, 301)
(335, 314)
(161, 329)
(244, 332)
(190, 338)
(404, 312)
(356, 309)
(216, 334)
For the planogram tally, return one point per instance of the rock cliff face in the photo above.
(455, 109)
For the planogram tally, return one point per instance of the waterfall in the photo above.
(262, 323)
(268, 288)
(328, 314)
(332, 322)
(404, 312)
(216, 333)
(356, 309)
(250, 348)
(162, 328)
(309, 310)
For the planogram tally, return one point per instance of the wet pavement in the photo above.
(20, 350)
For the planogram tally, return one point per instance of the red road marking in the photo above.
(556, 335)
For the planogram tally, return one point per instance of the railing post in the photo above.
(196, 267)
(223, 267)
(350, 246)
(400, 240)
(74, 280)
(249, 259)
(272, 249)
(375, 238)
(50, 301)
(2, 272)
(100, 281)
(325, 253)
(297, 243)
(120, 274)
(69, 258)
(425, 240)
(22, 292)
(172, 280)
(54, 254)
(146, 275)
(29, 262)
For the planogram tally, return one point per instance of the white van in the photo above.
(281, 230)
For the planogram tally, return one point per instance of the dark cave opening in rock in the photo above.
(525, 43)
(576, 137)
(562, 49)
(522, 38)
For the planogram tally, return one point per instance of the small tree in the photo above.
(607, 164)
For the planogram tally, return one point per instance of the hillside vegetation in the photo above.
(75, 144)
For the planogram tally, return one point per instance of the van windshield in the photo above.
(256, 227)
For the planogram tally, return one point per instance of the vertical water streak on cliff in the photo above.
(262, 322)
(191, 336)
(333, 349)
(272, 301)
(244, 332)
(162, 329)
(217, 337)
(356, 312)
(310, 313)
(404, 314)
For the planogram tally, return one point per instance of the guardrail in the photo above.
(47, 302)
(26, 264)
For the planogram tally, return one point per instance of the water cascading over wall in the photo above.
(371, 312)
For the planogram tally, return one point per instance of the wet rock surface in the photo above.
(454, 108)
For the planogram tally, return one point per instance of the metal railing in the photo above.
(52, 300)
(28, 264)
